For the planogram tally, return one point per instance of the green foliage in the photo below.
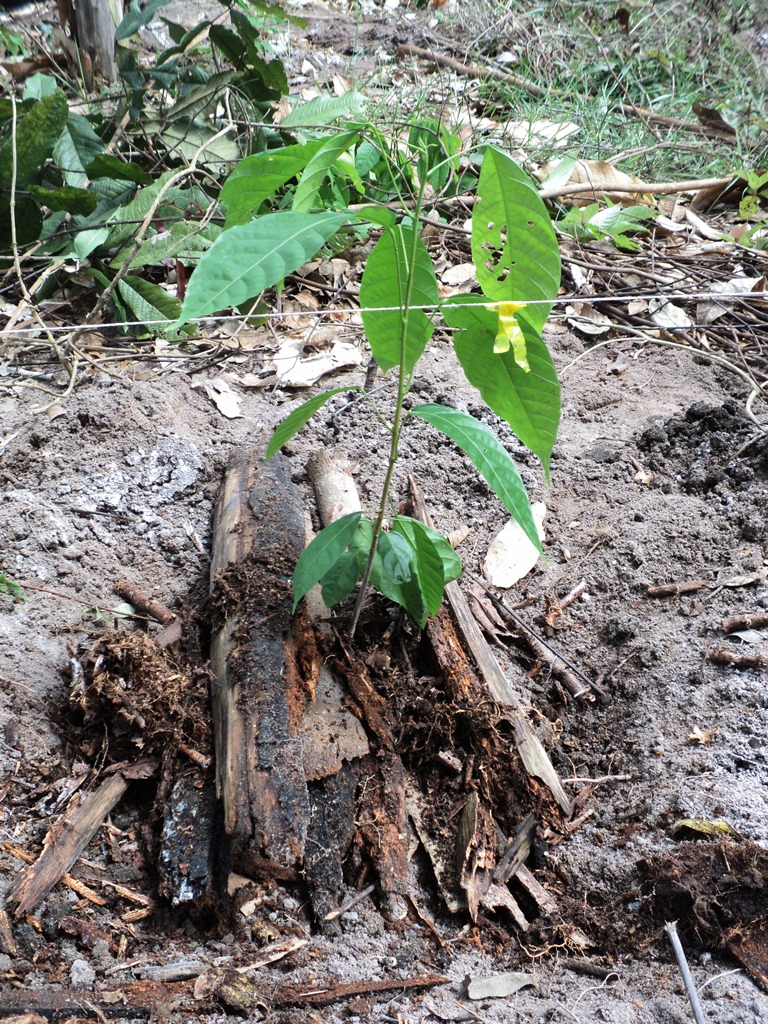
(613, 221)
(12, 588)
(498, 343)
(248, 258)
(398, 275)
(514, 248)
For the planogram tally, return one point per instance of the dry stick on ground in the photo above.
(576, 681)
(64, 843)
(532, 753)
(633, 110)
(473, 71)
(147, 605)
(756, 620)
(722, 656)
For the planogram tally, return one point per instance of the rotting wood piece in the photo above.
(262, 665)
(529, 746)
(186, 857)
(64, 843)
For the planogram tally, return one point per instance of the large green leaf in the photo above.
(489, 457)
(37, 132)
(246, 259)
(514, 247)
(258, 177)
(184, 240)
(324, 110)
(321, 554)
(76, 148)
(136, 17)
(383, 295)
(149, 303)
(318, 167)
(528, 401)
(72, 200)
(293, 423)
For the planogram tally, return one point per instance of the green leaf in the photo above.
(293, 423)
(196, 100)
(514, 247)
(339, 582)
(489, 457)
(75, 149)
(319, 557)
(450, 560)
(149, 303)
(36, 134)
(105, 165)
(409, 569)
(384, 285)
(72, 200)
(381, 215)
(324, 110)
(183, 240)
(318, 167)
(258, 177)
(246, 259)
(136, 18)
(528, 401)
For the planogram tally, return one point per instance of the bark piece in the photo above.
(64, 843)
(475, 852)
(331, 831)
(335, 488)
(259, 658)
(331, 732)
(516, 851)
(186, 853)
(529, 746)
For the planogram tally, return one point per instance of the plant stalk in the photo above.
(403, 385)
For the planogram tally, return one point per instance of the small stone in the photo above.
(81, 974)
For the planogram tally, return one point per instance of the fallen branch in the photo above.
(640, 187)
(709, 132)
(676, 589)
(141, 602)
(473, 71)
(758, 620)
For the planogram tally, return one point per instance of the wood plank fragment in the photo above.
(475, 852)
(64, 843)
(257, 656)
(517, 850)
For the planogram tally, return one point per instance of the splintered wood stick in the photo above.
(64, 843)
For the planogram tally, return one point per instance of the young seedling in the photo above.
(497, 340)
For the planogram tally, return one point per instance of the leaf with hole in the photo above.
(514, 247)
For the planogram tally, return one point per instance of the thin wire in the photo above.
(438, 307)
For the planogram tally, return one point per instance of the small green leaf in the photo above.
(318, 167)
(135, 17)
(246, 259)
(149, 303)
(324, 110)
(383, 293)
(514, 247)
(319, 557)
(489, 457)
(293, 423)
(381, 215)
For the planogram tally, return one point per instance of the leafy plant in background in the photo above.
(12, 588)
(614, 221)
(497, 340)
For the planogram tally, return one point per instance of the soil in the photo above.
(658, 477)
